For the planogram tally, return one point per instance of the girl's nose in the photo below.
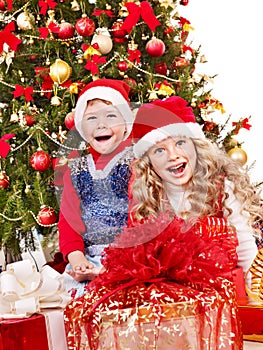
(173, 152)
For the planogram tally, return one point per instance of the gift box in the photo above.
(177, 328)
(250, 306)
(251, 317)
(40, 331)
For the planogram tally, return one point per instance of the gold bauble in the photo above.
(60, 71)
(238, 155)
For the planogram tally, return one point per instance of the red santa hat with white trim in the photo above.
(112, 90)
(157, 120)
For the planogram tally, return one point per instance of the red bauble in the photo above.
(66, 30)
(70, 120)
(184, 2)
(46, 216)
(120, 40)
(40, 161)
(161, 68)
(2, 5)
(155, 47)
(132, 84)
(117, 32)
(85, 26)
(29, 120)
(4, 180)
(180, 62)
(122, 66)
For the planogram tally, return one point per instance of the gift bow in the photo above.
(144, 10)
(7, 37)
(25, 291)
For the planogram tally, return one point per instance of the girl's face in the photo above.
(104, 126)
(174, 160)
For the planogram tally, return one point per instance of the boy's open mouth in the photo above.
(103, 138)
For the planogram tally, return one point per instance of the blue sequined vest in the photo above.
(103, 196)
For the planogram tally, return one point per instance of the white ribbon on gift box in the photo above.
(24, 291)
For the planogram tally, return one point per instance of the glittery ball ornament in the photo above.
(60, 71)
(238, 155)
(25, 21)
(66, 30)
(85, 26)
(103, 40)
(40, 160)
(155, 47)
(46, 216)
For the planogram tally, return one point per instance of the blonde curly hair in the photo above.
(212, 167)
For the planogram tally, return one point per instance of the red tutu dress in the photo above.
(165, 286)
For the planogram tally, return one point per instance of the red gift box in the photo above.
(24, 334)
(40, 331)
(251, 317)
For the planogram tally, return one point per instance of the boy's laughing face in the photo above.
(103, 125)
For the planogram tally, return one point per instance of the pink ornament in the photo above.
(155, 47)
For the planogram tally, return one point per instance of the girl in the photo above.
(178, 167)
(167, 282)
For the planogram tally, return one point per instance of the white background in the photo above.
(230, 33)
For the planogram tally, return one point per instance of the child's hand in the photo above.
(83, 273)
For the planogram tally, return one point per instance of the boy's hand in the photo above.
(82, 273)
(82, 269)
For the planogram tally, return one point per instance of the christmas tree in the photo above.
(49, 51)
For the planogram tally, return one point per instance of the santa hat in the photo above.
(114, 91)
(157, 120)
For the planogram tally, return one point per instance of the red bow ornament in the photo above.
(20, 90)
(45, 5)
(6, 37)
(144, 10)
(4, 146)
(98, 12)
(93, 63)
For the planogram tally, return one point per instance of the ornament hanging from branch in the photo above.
(103, 40)
(46, 216)
(85, 26)
(60, 71)
(155, 47)
(4, 180)
(40, 160)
